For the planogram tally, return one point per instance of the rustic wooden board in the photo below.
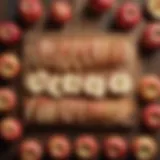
(104, 25)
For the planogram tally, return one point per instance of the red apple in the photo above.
(31, 150)
(61, 12)
(151, 116)
(101, 5)
(9, 66)
(10, 129)
(10, 33)
(86, 147)
(153, 8)
(30, 10)
(59, 147)
(144, 148)
(151, 36)
(115, 147)
(128, 15)
(149, 88)
(8, 99)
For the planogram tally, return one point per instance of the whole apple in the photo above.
(128, 15)
(151, 36)
(61, 12)
(30, 10)
(10, 33)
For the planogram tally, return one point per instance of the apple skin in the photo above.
(140, 143)
(59, 147)
(14, 125)
(101, 6)
(10, 99)
(115, 147)
(151, 36)
(10, 33)
(148, 117)
(128, 15)
(86, 144)
(30, 10)
(11, 62)
(61, 12)
(33, 147)
(149, 88)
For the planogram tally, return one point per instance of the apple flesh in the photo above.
(151, 36)
(10, 129)
(86, 147)
(101, 6)
(128, 15)
(30, 10)
(115, 147)
(10, 33)
(151, 117)
(61, 12)
(59, 147)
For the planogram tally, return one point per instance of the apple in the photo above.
(151, 116)
(144, 148)
(59, 147)
(101, 5)
(10, 129)
(10, 33)
(61, 12)
(86, 147)
(115, 147)
(128, 15)
(149, 88)
(8, 99)
(30, 10)
(9, 65)
(151, 36)
(153, 8)
(31, 149)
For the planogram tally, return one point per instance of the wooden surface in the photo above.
(150, 61)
